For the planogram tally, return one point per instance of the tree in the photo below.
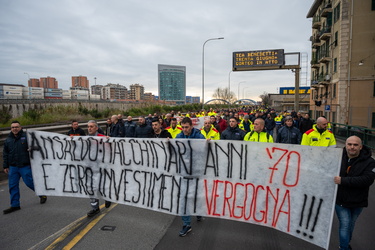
(224, 93)
(265, 99)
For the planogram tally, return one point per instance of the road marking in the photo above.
(84, 231)
(64, 232)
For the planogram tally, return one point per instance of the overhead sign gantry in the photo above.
(272, 59)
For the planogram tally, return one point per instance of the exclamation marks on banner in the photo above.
(309, 218)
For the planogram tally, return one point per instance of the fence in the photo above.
(342, 131)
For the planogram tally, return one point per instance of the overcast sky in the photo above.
(123, 41)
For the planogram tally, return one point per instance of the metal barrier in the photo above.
(342, 131)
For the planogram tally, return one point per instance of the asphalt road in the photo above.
(61, 223)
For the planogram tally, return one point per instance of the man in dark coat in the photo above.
(288, 133)
(357, 174)
(158, 131)
(233, 132)
(143, 130)
(130, 126)
(76, 130)
(16, 165)
(305, 124)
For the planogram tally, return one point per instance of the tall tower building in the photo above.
(80, 82)
(343, 59)
(172, 83)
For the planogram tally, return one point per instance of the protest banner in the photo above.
(287, 187)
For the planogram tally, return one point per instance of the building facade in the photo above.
(172, 83)
(114, 92)
(80, 82)
(48, 83)
(96, 89)
(136, 92)
(343, 61)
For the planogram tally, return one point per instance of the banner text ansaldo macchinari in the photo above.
(161, 175)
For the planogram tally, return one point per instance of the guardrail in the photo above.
(343, 131)
(61, 129)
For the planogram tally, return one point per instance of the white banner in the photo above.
(286, 187)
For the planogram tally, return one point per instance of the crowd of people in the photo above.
(261, 125)
(246, 124)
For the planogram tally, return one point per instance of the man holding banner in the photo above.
(357, 174)
(188, 132)
(92, 128)
(17, 165)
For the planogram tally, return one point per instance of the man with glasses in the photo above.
(17, 165)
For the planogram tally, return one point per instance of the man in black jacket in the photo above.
(233, 132)
(130, 127)
(117, 128)
(17, 165)
(357, 174)
(158, 131)
(289, 133)
(76, 130)
(305, 124)
(143, 130)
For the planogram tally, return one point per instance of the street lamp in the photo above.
(218, 38)
(239, 89)
(243, 92)
(29, 78)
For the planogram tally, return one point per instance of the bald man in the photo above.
(319, 135)
(259, 133)
(357, 174)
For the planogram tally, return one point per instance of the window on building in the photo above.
(336, 13)
(372, 4)
(374, 90)
(333, 118)
(335, 65)
(336, 38)
(373, 121)
(334, 90)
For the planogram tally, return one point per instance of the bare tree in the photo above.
(225, 94)
(265, 98)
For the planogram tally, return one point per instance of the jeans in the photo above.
(14, 175)
(186, 220)
(347, 217)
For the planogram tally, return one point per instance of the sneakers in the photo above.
(43, 199)
(185, 230)
(93, 212)
(11, 210)
(108, 204)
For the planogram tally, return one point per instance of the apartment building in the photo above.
(343, 61)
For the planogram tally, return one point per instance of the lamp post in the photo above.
(239, 89)
(218, 38)
(243, 92)
(28, 82)
(229, 99)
